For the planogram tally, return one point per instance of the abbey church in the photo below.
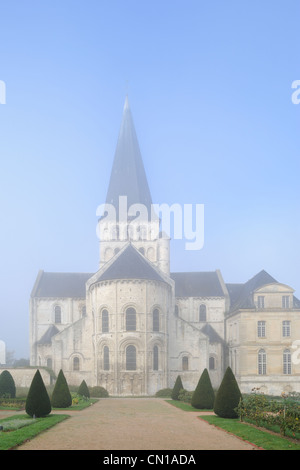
(133, 326)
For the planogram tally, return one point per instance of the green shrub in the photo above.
(83, 390)
(228, 396)
(176, 389)
(164, 392)
(204, 395)
(185, 396)
(7, 385)
(98, 392)
(37, 402)
(61, 396)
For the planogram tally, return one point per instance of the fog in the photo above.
(210, 89)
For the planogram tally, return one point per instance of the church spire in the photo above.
(128, 177)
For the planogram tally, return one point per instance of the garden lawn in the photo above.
(184, 406)
(263, 439)
(11, 439)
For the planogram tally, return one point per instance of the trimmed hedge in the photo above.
(37, 402)
(204, 395)
(7, 385)
(228, 396)
(83, 390)
(176, 389)
(98, 392)
(61, 396)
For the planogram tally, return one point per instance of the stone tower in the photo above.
(128, 214)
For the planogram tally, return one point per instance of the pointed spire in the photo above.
(128, 177)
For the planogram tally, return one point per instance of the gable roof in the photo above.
(130, 264)
(197, 284)
(64, 285)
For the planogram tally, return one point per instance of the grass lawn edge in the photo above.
(261, 439)
(13, 439)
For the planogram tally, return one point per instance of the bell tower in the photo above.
(128, 215)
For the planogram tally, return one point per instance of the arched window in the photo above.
(155, 320)
(76, 363)
(155, 358)
(130, 358)
(57, 314)
(106, 358)
(262, 362)
(202, 312)
(105, 325)
(49, 363)
(185, 363)
(130, 319)
(211, 363)
(287, 365)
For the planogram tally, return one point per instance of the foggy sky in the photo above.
(209, 85)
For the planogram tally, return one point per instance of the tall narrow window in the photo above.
(211, 363)
(130, 319)
(202, 313)
(130, 358)
(176, 310)
(83, 311)
(287, 365)
(155, 320)
(106, 358)
(261, 301)
(285, 301)
(105, 325)
(286, 328)
(261, 329)
(57, 314)
(49, 363)
(185, 363)
(155, 358)
(76, 363)
(262, 362)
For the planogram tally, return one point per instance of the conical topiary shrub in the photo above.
(61, 396)
(37, 402)
(204, 395)
(228, 396)
(176, 389)
(83, 390)
(7, 385)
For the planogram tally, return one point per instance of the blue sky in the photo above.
(209, 84)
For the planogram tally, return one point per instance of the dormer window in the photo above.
(285, 301)
(261, 301)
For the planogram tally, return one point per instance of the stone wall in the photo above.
(23, 376)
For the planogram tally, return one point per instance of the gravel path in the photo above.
(134, 424)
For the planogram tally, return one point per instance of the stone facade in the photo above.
(133, 326)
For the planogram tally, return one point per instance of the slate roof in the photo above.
(213, 336)
(197, 284)
(128, 176)
(241, 294)
(46, 338)
(130, 264)
(64, 285)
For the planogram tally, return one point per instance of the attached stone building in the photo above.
(133, 327)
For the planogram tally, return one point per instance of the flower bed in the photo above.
(282, 415)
